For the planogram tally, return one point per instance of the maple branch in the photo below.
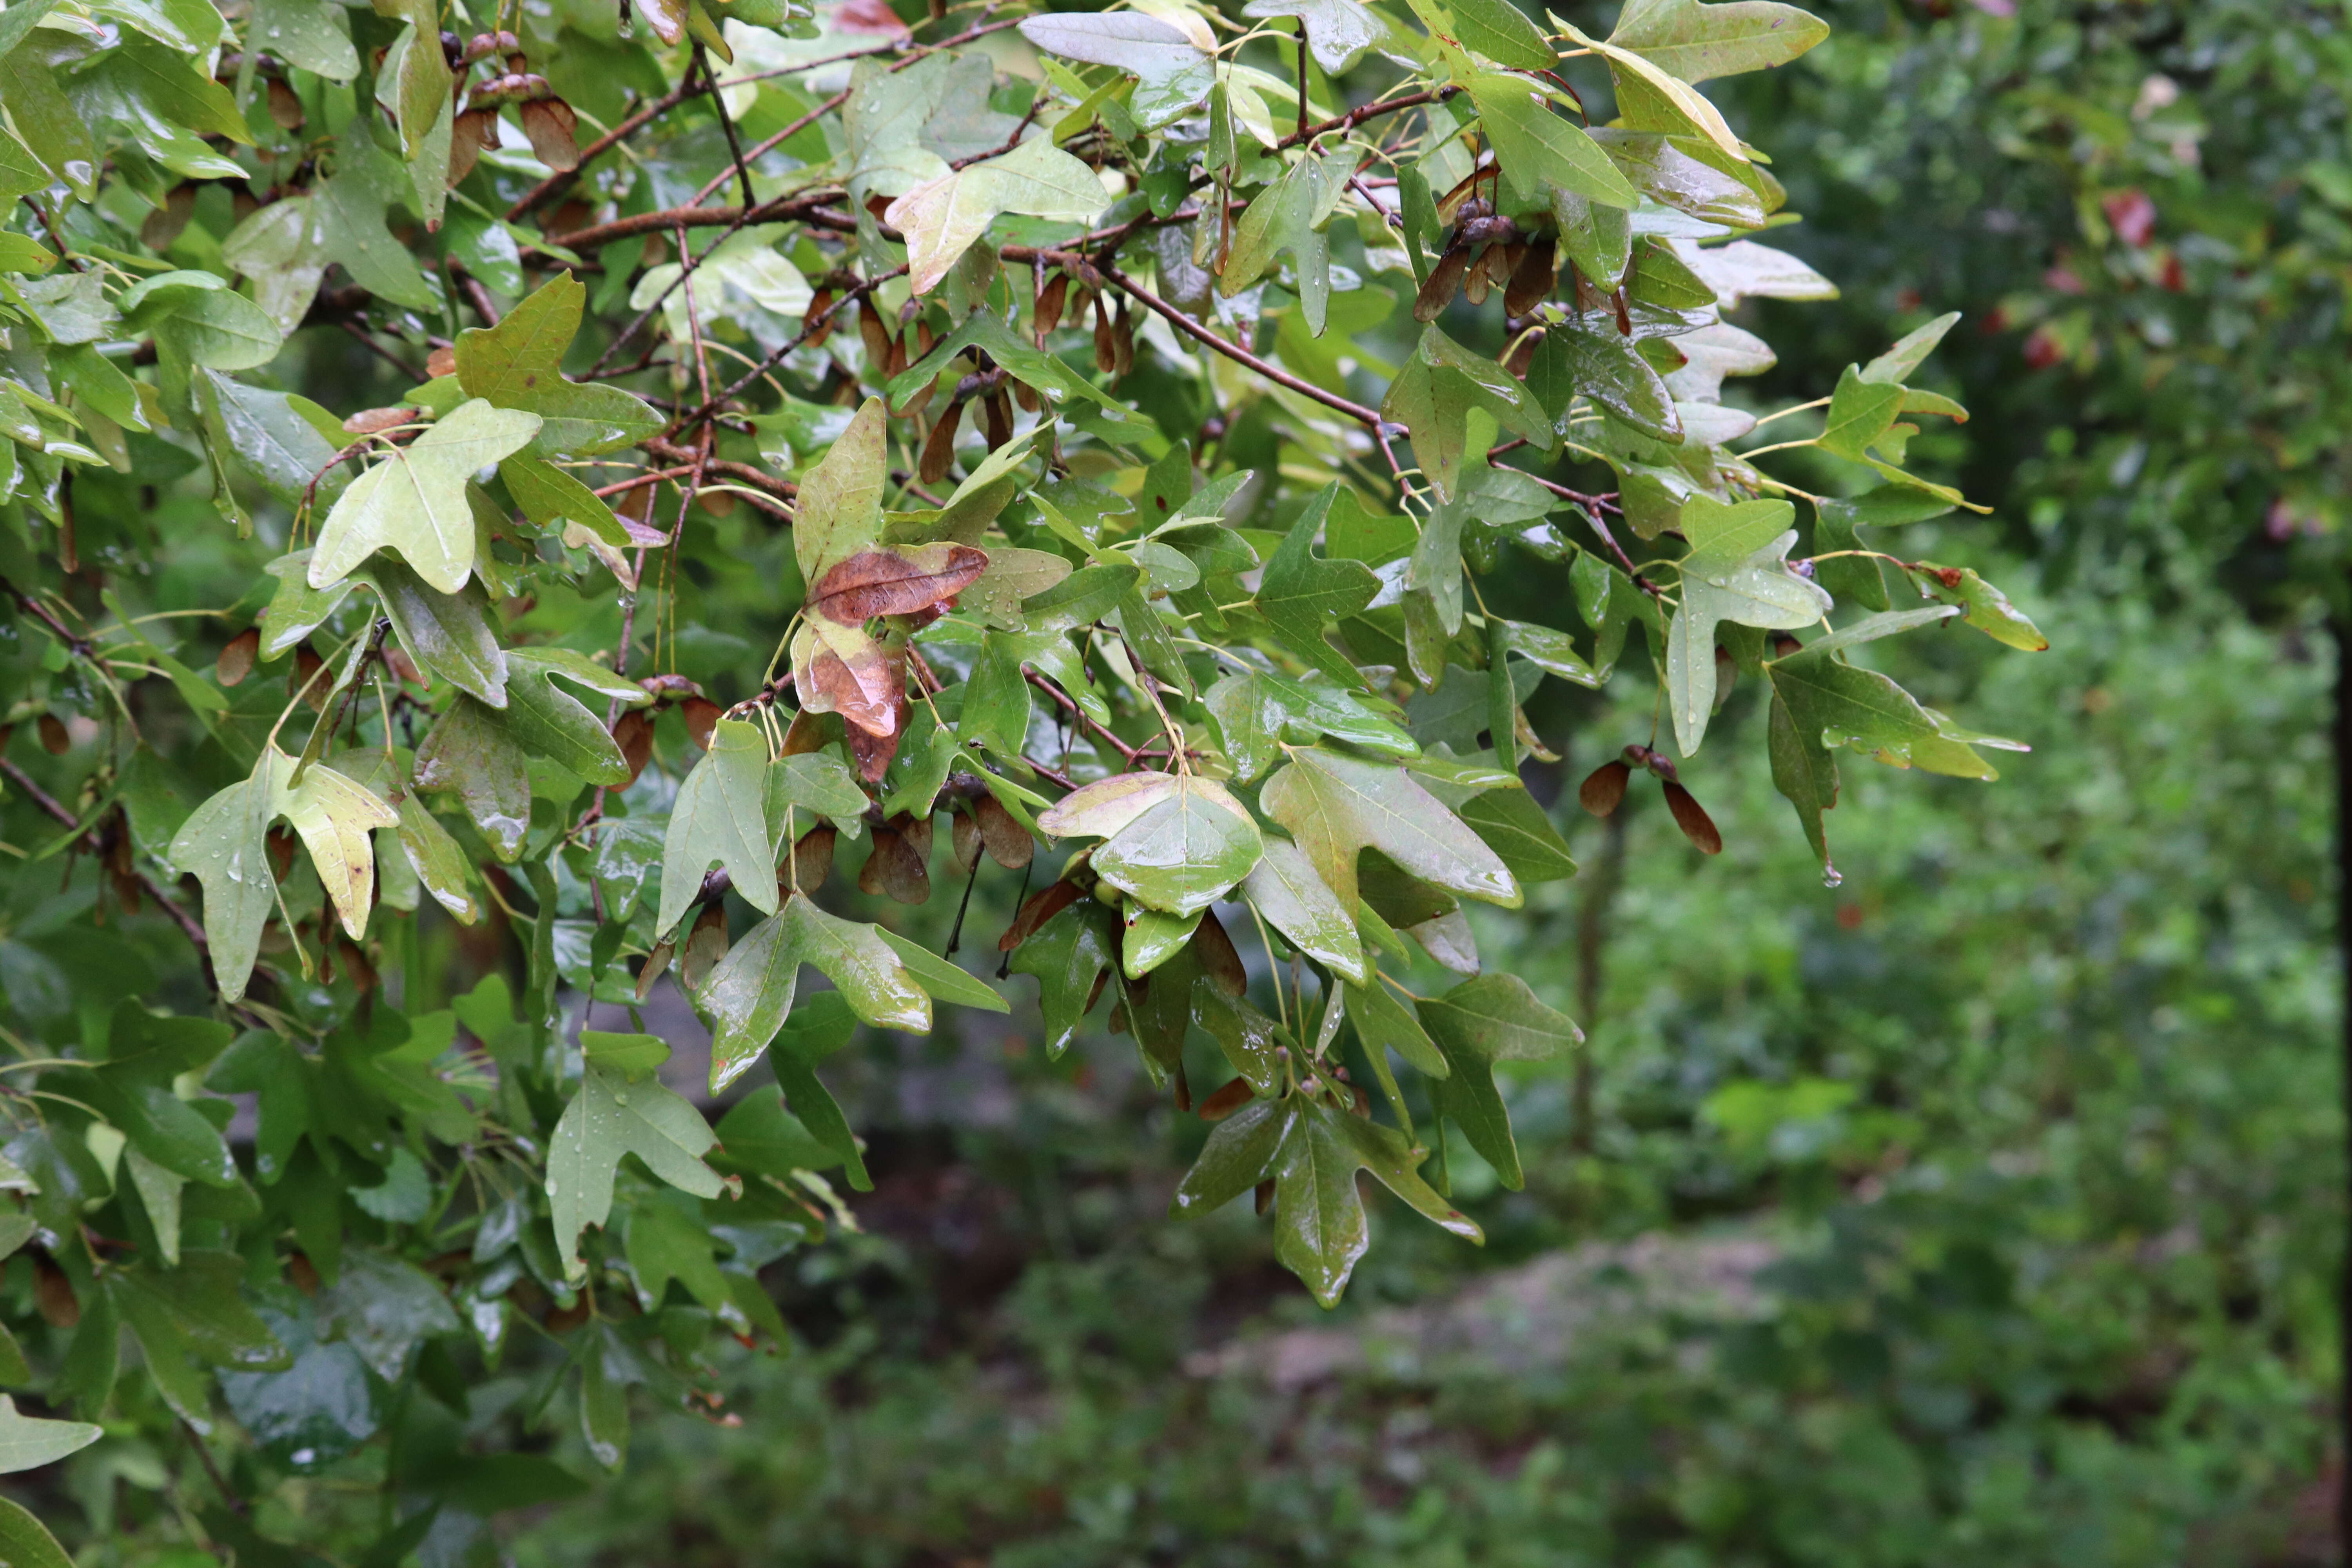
(1126, 752)
(658, 107)
(727, 125)
(1234, 352)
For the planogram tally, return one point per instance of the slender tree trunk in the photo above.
(1591, 947)
(2343, 630)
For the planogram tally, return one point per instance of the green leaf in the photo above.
(446, 635)
(1698, 42)
(1335, 806)
(721, 814)
(996, 697)
(27, 1443)
(386, 1307)
(1477, 1024)
(1987, 608)
(518, 364)
(550, 497)
(1288, 217)
(1518, 830)
(1894, 367)
(556, 725)
(25, 1541)
(1152, 938)
(946, 982)
(1172, 75)
(610, 1117)
(1497, 29)
(310, 35)
(222, 844)
(941, 218)
(760, 1135)
(1338, 31)
(1284, 888)
(841, 498)
(748, 994)
(1860, 413)
(414, 501)
(665, 1245)
(1067, 955)
(1085, 596)
(1240, 1152)
(1540, 150)
(471, 755)
(1804, 771)
(1607, 369)
(1302, 595)
(1185, 853)
(1383, 1022)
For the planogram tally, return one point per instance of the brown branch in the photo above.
(726, 124)
(385, 354)
(555, 182)
(758, 479)
(1127, 753)
(1234, 352)
(476, 295)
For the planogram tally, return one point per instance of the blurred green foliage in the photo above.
(2038, 1114)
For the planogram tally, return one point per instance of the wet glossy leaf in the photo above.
(414, 501)
(1335, 806)
(519, 364)
(612, 1115)
(720, 816)
(1284, 887)
(1182, 854)
(1302, 595)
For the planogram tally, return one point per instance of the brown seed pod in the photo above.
(481, 45)
(1693, 819)
(471, 134)
(876, 337)
(812, 856)
(404, 668)
(916, 829)
(235, 661)
(1042, 906)
(552, 126)
(53, 1293)
(633, 732)
(1026, 396)
(299, 678)
(1212, 948)
(1000, 419)
(815, 322)
(1226, 1101)
(1123, 338)
(704, 946)
(281, 846)
(963, 841)
(285, 105)
(938, 449)
(164, 225)
(1105, 342)
(894, 868)
(701, 716)
(1476, 283)
(1604, 788)
(1531, 279)
(1444, 282)
(1050, 299)
(1008, 843)
(441, 362)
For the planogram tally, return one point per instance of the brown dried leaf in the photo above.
(235, 662)
(895, 582)
(368, 421)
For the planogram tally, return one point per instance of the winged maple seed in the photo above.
(875, 583)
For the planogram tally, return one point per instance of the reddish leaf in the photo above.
(701, 715)
(1041, 907)
(888, 582)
